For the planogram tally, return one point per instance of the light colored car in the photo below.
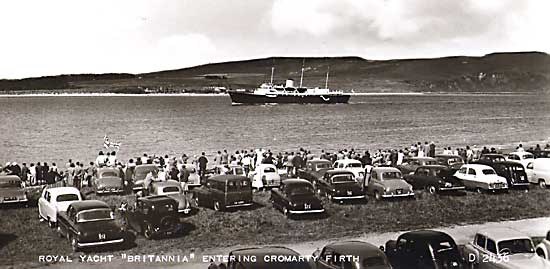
(265, 176)
(194, 180)
(140, 173)
(55, 200)
(502, 248)
(388, 182)
(521, 157)
(108, 180)
(12, 190)
(543, 248)
(353, 166)
(172, 189)
(538, 172)
(480, 177)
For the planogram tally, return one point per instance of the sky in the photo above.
(54, 37)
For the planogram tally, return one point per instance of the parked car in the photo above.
(490, 158)
(453, 162)
(545, 153)
(12, 190)
(515, 174)
(89, 223)
(502, 248)
(296, 197)
(52, 201)
(152, 216)
(193, 180)
(387, 182)
(538, 172)
(263, 258)
(434, 179)
(314, 169)
(108, 180)
(481, 178)
(224, 191)
(235, 170)
(338, 185)
(425, 249)
(353, 166)
(265, 176)
(410, 164)
(543, 248)
(521, 157)
(172, 189)
(369, 256)
(140, 173)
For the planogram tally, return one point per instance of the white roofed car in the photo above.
(481, 178)
(193, 180)
(55, 200)
(12, 190)
(351, 165)
(172, 189)
(538, 172)
(265, 176)
(523, 157)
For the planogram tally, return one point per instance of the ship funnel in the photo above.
(289, 83)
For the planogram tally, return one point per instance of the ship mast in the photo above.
(302, 76)
(272, 70)
(326, 81)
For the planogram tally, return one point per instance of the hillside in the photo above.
(498, 72)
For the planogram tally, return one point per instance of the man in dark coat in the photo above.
(39, 173)
(24, 172)
(203, 161)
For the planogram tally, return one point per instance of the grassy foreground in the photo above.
(23, 237)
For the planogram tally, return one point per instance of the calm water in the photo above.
(56, 128)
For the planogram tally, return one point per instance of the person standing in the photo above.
(247, 163)
(203, 161)
(24, 173)
(32, 172)
(400, 157)
(218, 159)
(225, 157)
(432, 150)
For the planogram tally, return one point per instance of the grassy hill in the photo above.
(498, 72)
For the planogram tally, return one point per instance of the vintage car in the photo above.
(424, 249)
(89, 223)
(387, 182)
(344, 255)
(235, 170)
(55, 200)
(108, 180)
(502, 248)
(490, 158)
(224, 191)
(434, 179)
(453, 162)
(543, 248)
(314, 169)
(12, 190)
(265, 176)
(296, 197)
(481, 178)
(410, 164)
(152, 216)
(140, 173)
(193, 180)
(339, 185)
(515, 174)
(545, 153)
(538, 172)
(271, 257)
(172, 189)
(521, 157)
(353, 166)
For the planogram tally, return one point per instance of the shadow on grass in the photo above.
(5, 239)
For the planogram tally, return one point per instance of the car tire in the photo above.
(217, 206)
(377, 196)
(431, 189)
(542, 184)
(148, 231)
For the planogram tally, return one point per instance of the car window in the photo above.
(269, 170)
(323, 165)
(391, 175)
(462, 170)
(480, 240)
(342, 179)
(374, 261)
(374, 176)
(529, 166)
(95, 215)
(67, 197)
(516, 246)
(422, 171)
(354, 165)
(341, 165)
(471, 171)
(513, 157)
(48, 196)
(454, 160)
(488, 171)
(171, 189)
(300, 190)
(109, 174)
(491, 246)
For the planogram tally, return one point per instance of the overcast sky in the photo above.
(98, 36)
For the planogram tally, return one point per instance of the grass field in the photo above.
(23, 237)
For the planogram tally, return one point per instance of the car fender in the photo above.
(542, 246)
(471, 253)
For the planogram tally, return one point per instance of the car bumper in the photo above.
(14, 201)
(238, 205)
(109, 191)
(393, 195)
(348, 197)
(526, 184)
(312, 211)
(101, 243)
(452, 188)
(184, 211)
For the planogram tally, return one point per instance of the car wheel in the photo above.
(377, 195)
(74, 244)
(148, 232)
(217, 206)
(432, 189)
(542, 184)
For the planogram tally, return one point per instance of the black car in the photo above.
(490, 158)
(338, 185)
(153, 216)
(350, 255)
(314, 169)
(514, 172)
(224, 191)
(89, 223)
(453, 162)
(296, 197)
(425, 249)
(263, 258)
(434, 179)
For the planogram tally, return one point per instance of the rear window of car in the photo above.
(67, 197)
(455, 160)
(528, 156)
(323, 165)
(10, 184)
(488, 171)
(391, 175)
(237, 185)
(342, 179)
(109, 174)
(171, 189)
(269, 170)
(354, 165)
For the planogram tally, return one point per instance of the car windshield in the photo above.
(109, 174)
(301, 190)
(455, 160)
(391, 175)
(323, 165)
(516, 246)
(237, 185)
(354, 165)
(171, 189)
(67, 197)
(95, 215)
(342, 179)
(163, 208)
(488, 171)
(269, 170)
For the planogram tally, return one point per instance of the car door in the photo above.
(374, 183)
(402, 258)
(276, 196)
(530, 173)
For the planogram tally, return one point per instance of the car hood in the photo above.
(527, 260)
(396, 184)
(12, 192)
(109, 182)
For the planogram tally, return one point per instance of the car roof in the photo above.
(520, 153)
(477, 166)
(292, 181)
(63, 190)
(166, 183)
(355, 248)
(422, 158)
(385, 169)
(89, 204)
(447, 156)
(427, 235)
(338, 172)
(508, 163)
(268, 250)
(492, 155)
(157, 199)
(266, 165)
(318, 160)
(500, 234)
(10, 178)
(103, 169)
(146, 166)
(433, 166)
(348, 161)
(224, 178)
